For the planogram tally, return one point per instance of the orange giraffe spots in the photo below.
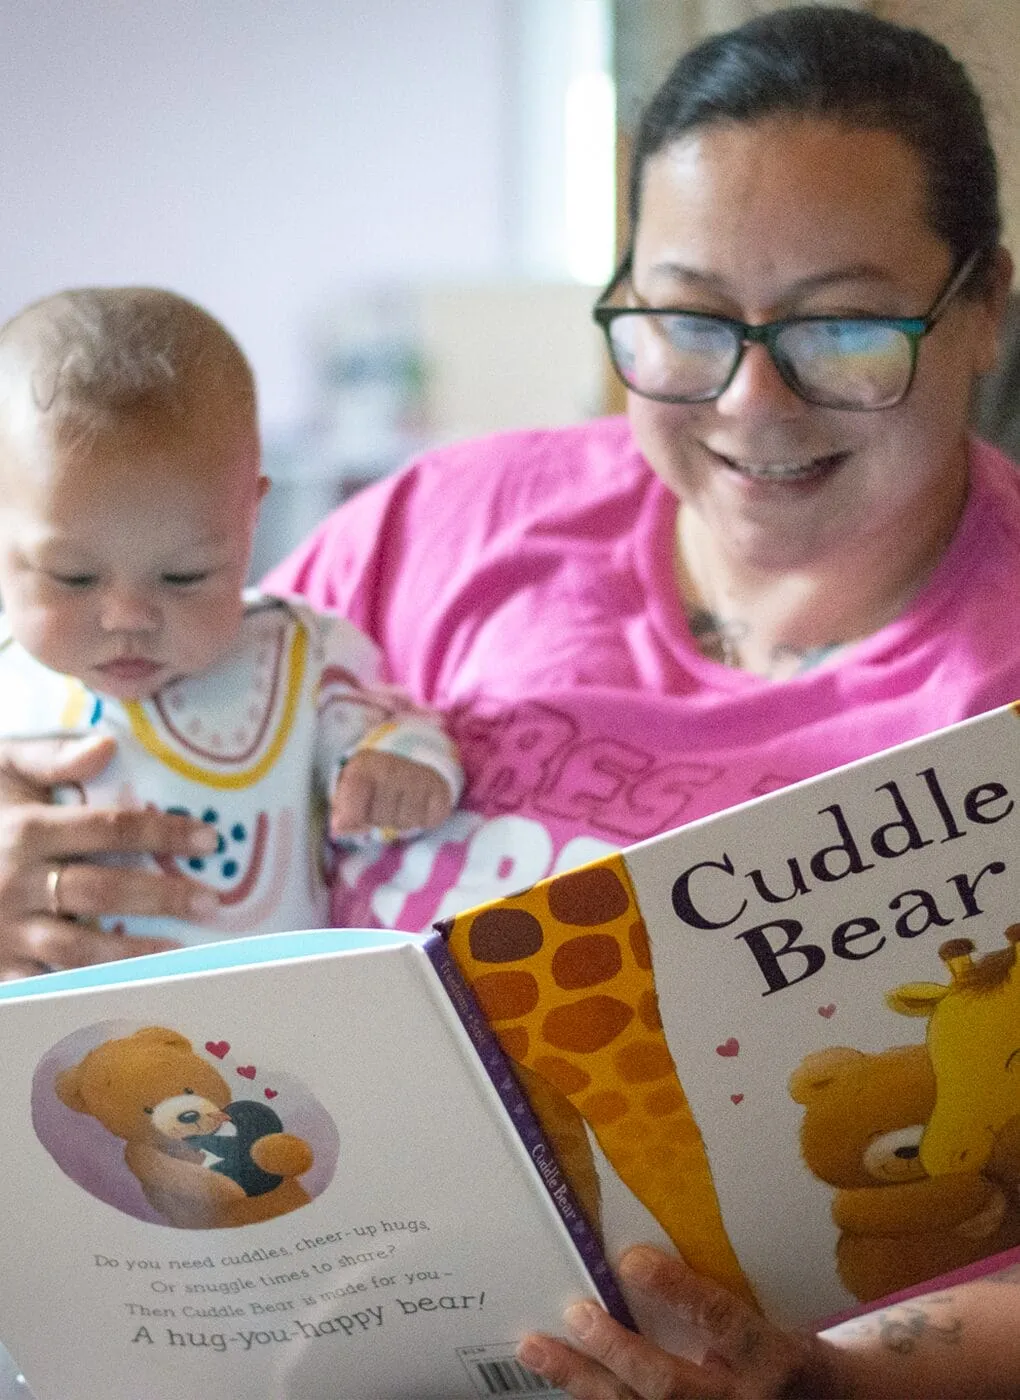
(564, 974)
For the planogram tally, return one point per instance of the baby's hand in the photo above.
(383, 790)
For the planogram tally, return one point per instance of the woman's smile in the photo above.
(792, 471)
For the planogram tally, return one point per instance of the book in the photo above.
(784, 1039)
(787, 1036)
(295, 1165)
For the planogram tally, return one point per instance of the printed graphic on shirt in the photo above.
(546, 792)
(229, 738)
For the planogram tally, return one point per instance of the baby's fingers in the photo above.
(437, 801)
(352, 801)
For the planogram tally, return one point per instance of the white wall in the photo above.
(257, 155)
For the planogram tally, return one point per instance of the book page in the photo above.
(791, 1029)
(397, 1242)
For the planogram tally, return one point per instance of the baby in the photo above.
(129, 490)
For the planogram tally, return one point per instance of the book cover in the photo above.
(294, 1166)
(786, 1038)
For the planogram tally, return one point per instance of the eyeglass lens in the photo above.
(839, 363)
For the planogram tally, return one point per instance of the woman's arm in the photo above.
(963, 1342)
(40, 910)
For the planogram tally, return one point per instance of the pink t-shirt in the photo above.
(524, 585)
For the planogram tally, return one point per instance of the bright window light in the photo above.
(589, 176)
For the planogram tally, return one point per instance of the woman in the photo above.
(803, 167)
(787, 557)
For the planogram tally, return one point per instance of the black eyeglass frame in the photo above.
(915, 328)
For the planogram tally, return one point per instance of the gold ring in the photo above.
(53, 876)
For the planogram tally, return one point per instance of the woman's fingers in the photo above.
(56, 833)
(55, 869)
(16, 969)
(30, 767)
(617, 1363)
(50, 945)
(571, 1371)
(763, 1359)
(86, 891)
(748, 1359)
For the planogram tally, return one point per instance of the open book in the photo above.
(289, 1166)
(785, 1039)
(789, 1033)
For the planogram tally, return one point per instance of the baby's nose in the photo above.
(129, 610)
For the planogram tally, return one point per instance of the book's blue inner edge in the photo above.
(207, 957)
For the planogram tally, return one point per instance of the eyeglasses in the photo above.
(852, 362)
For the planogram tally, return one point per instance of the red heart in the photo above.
(736, 1098)
(732, 1047)
(270, 1093)
(217, 1047)
(247, 1070)
(827, 1011)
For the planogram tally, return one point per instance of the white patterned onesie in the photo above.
(252, 746)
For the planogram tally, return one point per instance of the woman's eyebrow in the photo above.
(713, 282)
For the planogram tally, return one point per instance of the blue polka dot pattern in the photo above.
(238, 835)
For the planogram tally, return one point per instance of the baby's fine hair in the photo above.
(89, 356)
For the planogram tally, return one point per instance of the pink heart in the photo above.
(247, 1070)
(736, 1098)
(270, 1093)
(827, 1011)
(217, 1047)
(732, 1047)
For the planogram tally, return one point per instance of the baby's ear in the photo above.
(262, 486)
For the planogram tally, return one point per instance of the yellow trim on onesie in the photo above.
(374, 736)
(146, 735)
(73, 713)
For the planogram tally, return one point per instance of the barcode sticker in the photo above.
(494, 1370)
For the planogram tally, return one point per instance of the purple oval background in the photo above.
(93, 1158)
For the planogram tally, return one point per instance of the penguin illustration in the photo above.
(228, 1149)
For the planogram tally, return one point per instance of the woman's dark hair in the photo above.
(855, 69)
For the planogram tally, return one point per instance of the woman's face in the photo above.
(789, 217)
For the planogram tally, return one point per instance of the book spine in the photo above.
(522, 1118)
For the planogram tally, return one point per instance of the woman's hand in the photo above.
(48, 881)
(748, 1358)
(957, 1342)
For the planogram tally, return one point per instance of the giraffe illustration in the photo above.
(564, 975)
(974, 1044)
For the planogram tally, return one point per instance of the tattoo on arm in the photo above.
(902, 1328)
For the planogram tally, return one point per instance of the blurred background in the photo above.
(402, 208)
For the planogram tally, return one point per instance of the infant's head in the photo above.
(129, 485)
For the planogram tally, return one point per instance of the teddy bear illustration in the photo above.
(864, 1115)
(203, 1161)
